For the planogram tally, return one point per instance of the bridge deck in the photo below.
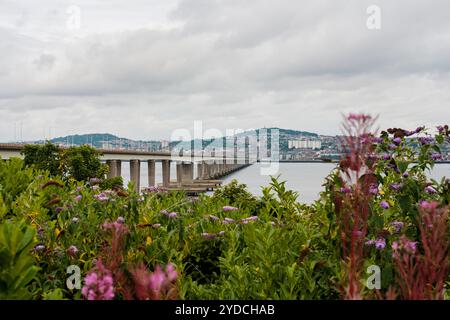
(14, 151)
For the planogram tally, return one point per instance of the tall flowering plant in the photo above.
(157, 285)
(108, 270)
(353, 198)
(113, 278)
(422, 275)
(99, 283)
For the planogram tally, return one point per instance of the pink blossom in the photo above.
(395, 245)
(404, 244)
(157, 279)
(98, 284)
(115, 226)
(428, 205)
(172, 274)
(358, 117)
(154, 285)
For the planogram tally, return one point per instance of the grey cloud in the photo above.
(45, 61)
(230, 63)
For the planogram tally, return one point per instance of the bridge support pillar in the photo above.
(205, 171)
(200, 167)
(115, 168)
(165, 172)
(211, 170)
(187, 174)
(215, 170)
(118, 168)
(135, 174)
(179, 173)
(151, 173)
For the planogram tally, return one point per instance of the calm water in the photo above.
(306, 178)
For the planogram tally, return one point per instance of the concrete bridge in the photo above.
(210, 167)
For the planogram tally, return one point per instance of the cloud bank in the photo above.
(142, 69)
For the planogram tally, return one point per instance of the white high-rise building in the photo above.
(304, 144)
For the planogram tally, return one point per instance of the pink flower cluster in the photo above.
(157, 285)
(358, 117)
(117, 226)
(98, 284)
(429, 205)
(404, 244)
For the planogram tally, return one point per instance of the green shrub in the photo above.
(289, 251)
(82, 163)
(236, 194)
(112, 183)
(17, 267)
(77, 163)
(14, 179)
(44, 157)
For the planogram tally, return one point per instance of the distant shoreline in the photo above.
(333, 161)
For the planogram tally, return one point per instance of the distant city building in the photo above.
(304, 144)
(164, 145)
(124, 144)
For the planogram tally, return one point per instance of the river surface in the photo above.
(305, 178)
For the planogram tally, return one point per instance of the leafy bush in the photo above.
(236, 194)
(112, 183)
(14, 179)
(233, 245)
(79, 163)
(17, 267)
(82, 163)
(44, 157)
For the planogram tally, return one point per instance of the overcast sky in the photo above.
(143, 68)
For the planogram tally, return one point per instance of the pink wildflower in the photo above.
(98, 284)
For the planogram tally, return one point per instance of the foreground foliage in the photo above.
(377, 209)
